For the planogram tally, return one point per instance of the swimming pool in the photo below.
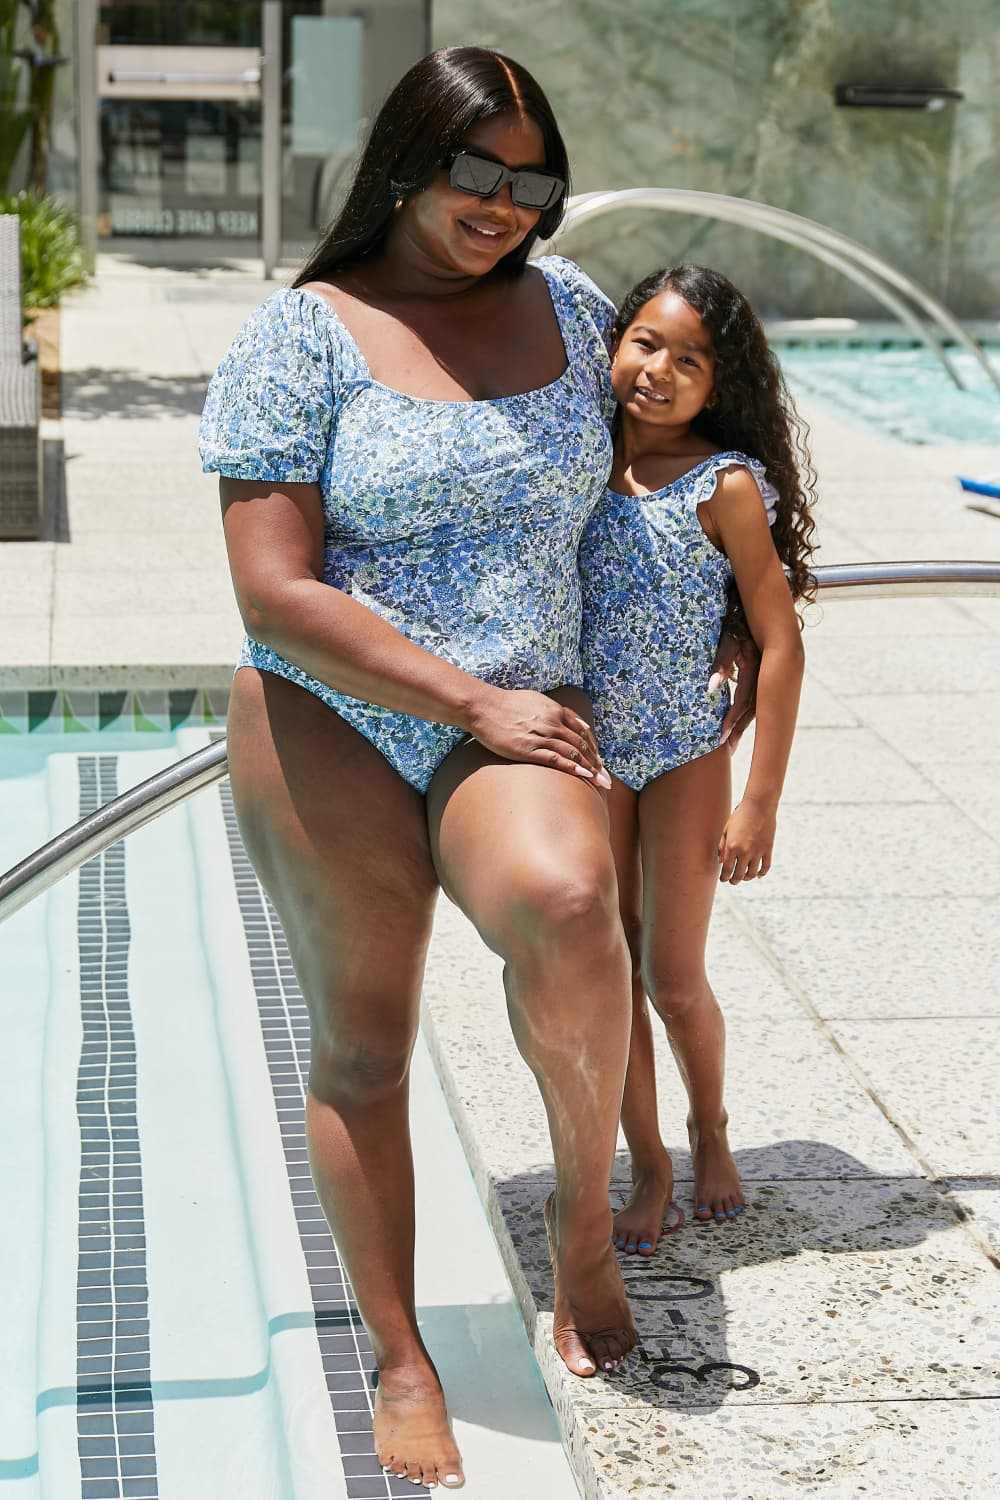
(177, 1320)
(898, 389)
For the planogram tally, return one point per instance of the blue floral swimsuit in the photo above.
(456, 521)
(654, 597)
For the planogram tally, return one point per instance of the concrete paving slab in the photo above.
(26, 580)
(937, 1080)
(116, 592)
(134, 554)
(935, 727)
(941, 1450)
(901, 664)
(25, 649)
(979, 1198)
(844, 765)
(889, 618)
(101, 644)
(973, 788)
(967, 536)
(837, 851)
(795, 1108)
(801, 1301)
(819, 708)
(986, 611)
(894, 959)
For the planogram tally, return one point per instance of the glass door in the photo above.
(342, 60)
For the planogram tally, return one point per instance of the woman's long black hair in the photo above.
(424, 119)
(751, 409)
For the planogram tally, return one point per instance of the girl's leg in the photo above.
(340, 844)
(638, 1226)
(681, 816)
(524, 852)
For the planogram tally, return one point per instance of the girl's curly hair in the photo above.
(751, 411)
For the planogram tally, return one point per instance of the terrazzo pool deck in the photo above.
(840, 1340)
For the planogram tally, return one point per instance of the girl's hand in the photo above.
(736, 660)
(531, 727)
(747, 842)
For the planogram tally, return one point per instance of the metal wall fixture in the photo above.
(72, 848)
(894, 96)
(903, 296)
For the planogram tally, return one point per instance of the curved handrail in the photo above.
(740, 211)
(828, 245)
(134, 808)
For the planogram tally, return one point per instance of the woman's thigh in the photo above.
(520, 848)
(339, 842)
(681, 817)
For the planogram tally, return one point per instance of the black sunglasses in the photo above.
(478, 175)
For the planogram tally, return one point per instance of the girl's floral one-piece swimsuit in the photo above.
(654, 597)
(458, 522)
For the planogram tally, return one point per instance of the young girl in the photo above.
(703, 415)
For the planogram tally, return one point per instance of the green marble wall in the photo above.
(736, 96)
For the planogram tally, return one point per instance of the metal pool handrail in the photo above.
(828, 245)
(133, 809)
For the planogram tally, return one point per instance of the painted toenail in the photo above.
(645, 1244)
(740, 1208)
(586, 1364)
(703, 1208)
(451, 1479)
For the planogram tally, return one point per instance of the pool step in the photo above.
(175, 1295)
(178, 1275)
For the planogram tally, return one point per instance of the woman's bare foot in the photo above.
(718, 1192)
(592, 1325)
(650, 1211)
(413, 1437)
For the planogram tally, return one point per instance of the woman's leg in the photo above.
(340, 844)
(638, 1226)
(524, 852)
(681, 816)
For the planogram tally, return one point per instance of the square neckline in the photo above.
(538, 390)
(666, 488)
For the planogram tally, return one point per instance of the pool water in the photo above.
(898, 390)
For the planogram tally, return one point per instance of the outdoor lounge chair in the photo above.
(20, 401)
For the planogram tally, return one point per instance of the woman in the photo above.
(421, 422)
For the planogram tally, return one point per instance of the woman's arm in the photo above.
(274, 536)
(740, 521)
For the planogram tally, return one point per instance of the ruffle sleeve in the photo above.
(708, 478)
(270, 406)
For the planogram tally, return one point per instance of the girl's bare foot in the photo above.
(718, 1192)
(592, 1325)
(413, 1437)
(650, 1211)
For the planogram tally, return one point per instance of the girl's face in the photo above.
(663, 369)
(464, 234)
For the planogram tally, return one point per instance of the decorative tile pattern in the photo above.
(115, 1424)
(346, 1352)
(81, 711)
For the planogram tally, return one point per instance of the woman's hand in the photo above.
(737, 659)
(747, 841)
(533, 728)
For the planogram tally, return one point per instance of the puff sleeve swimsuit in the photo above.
(654, 597)
(458, 522)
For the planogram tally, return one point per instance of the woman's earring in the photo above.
(399, 203)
